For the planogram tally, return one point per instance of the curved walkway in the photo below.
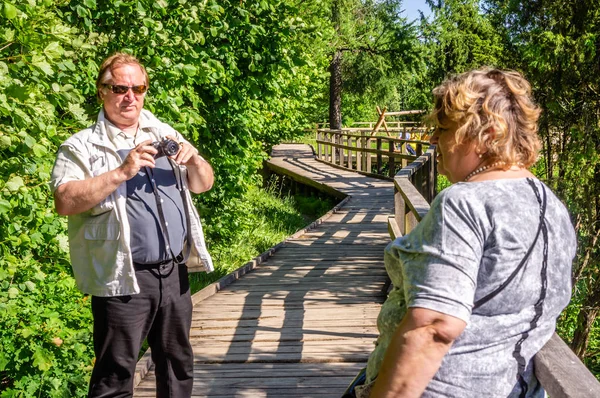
(304, 322)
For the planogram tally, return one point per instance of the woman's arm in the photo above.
(415, 353)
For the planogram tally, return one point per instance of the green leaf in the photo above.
(26, 332)
(10, 11)
(30, 286)
(41, 359)
(14, 184)
(45, 67)
(53, 50)
(29, 141)
(190, 70)
(13, 292)
(3, 361)
(55, 87)
(39, 150)
(90, 4)
(4, 206)
(82, 12)
(5, 141)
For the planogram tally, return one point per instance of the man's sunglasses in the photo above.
(117, 89)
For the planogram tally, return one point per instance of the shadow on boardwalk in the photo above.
(304, 322)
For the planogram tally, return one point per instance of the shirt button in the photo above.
(166, 224)
(168, 247)
(407, 245)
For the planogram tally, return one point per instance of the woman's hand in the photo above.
(415, 353)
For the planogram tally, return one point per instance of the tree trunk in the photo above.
(335, 76)
(585, 321)
(335, 91)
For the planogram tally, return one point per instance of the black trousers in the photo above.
(162, 312)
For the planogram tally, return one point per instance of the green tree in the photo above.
(459, 38)
(556, 44)
(235, 77)
(372, 46)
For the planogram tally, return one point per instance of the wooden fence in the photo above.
(358, 150)
(557, 368)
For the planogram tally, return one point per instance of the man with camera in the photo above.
(124, 183)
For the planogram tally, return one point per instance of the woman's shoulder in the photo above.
(494, 193)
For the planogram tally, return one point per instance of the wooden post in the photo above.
(349, 152)
(343, 141)
(403, 147)
(342, 159)
(391, 161)
(382, 118)
(365, 155)
(358, 154)
(368, 154)
(318, 144)
(334, 150)
(379, 121)
(379, 157)
(399, 209)
(330, 149)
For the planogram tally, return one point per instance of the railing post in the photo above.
(344, 142)
(379, 157)
(330, 151)
(358, 154)
(365, 154)
(318, 135)
(399, 210)
(334, 150)
(349, 161)
(368, 154)
(391, 160)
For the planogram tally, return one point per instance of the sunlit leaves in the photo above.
(234, 77)
(9, 11)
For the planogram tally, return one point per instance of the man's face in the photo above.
(124, 109)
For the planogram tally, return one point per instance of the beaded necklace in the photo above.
(482, 169)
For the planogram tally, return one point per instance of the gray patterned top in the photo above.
(473, 237)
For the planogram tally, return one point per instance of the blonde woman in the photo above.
(479, 283)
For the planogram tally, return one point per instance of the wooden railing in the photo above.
(393, 124)
(557, 368)
(358, 150)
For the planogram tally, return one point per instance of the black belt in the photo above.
(177, 260)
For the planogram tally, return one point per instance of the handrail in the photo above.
(345, 149)
(558, 369)
(397, 123)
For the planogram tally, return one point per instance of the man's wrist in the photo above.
(198, 160)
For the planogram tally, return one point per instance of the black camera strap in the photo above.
(188, 213)
(161, 213)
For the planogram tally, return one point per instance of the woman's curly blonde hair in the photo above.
(494, 110)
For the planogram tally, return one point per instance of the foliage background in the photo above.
(237, 77)
(234, 77)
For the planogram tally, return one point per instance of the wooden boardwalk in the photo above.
(304, 322)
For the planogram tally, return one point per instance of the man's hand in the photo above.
(140, 156)
(200, 174)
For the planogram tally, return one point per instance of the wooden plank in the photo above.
(304, 321)
(562, 374)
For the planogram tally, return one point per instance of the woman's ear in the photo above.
(482, 147)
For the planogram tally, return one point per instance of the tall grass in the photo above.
(268, 218)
